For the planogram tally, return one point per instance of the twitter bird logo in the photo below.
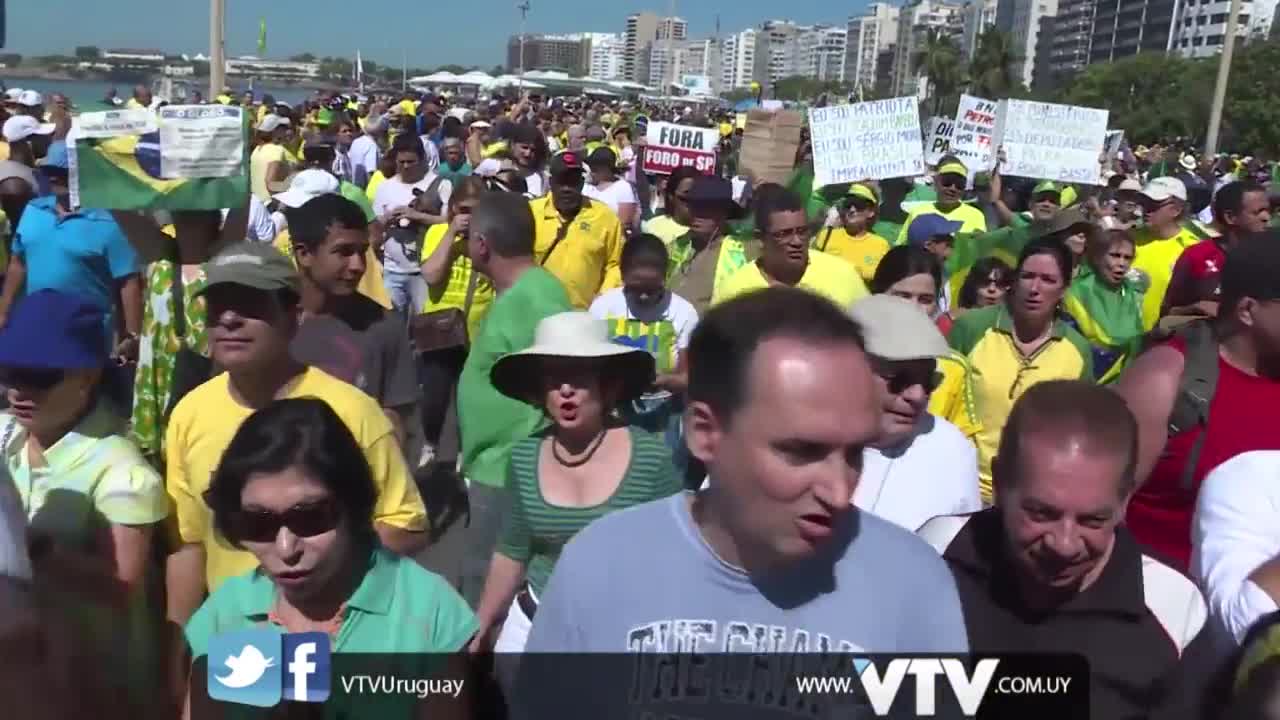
(247, 668)
(243, 667)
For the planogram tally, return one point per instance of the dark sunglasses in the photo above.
(901, 382)
(955, 181)
(859, 204)
(302, 520)
(998, 281)
(463, 210)
(33, 378)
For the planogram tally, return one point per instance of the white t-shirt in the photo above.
(934, 474)
(663, 330)
(536, 185)
(395, 193)
(618, 194)
(364, 154)
(1237, 529)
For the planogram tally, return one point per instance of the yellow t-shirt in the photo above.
(971, 218)
(1153, 261)
(259, 162)
(664, 227)
(827, 276)
(862, 252)
(4, 150)
(588, 260)
(375, 180)
(202, 426)
(371, 285)
(454, 293)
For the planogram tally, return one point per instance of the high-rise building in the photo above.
(1199, 29)
(915, 22)
(978, 16)
(868, 35)
(1063, 48)
(1020, 20)
(738, 59)
(1127, 27)
(778, 49)
(669, 61)
(642, 30)
(567, 53)
(607, 55)
(822, 49)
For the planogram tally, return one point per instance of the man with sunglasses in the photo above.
(577, 239)
(787, 260)
(919, 466)
(949, 182)
(1160, 242)
(253, 296)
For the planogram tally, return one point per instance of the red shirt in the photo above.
(1195, 275)
(1242, 417)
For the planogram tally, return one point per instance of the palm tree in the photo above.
(938, 60)
(995, 69)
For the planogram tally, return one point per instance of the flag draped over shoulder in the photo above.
(1005, 243)
(1109, 318)
(196, 164)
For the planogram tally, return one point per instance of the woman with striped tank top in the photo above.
(583, 465)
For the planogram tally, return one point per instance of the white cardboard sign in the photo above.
(871, 140)
(1046, 141)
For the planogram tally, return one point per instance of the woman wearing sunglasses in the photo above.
(294, 489)
(586, 464)
(90, 499)
(853, 241)
(984, 285)
(914, 274)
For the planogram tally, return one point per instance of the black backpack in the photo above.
(1196, 387)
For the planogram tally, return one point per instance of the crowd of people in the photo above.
(685, 413)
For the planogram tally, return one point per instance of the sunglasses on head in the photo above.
(33, 378)
(902, 381)
(302, 520)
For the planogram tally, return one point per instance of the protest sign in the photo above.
(769, 145)
(871, 140)
(1050, 142)
(671, 146)
(937, 138)
(971, 140)
(186, 157)
(1113, 143)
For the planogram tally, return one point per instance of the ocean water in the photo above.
(89, 94)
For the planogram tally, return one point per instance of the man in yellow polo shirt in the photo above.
(949, 182)
(577, 239)
(786, 258)
(1159, 243)
(253, 304)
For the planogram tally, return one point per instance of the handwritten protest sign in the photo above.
(1113, 143)
(971, 140)
(671, 146)
(875, 140)
(937, 138)
(1051, 142)
(185, 157)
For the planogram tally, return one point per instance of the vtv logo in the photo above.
(882, 689)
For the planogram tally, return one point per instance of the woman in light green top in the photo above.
(295, 490)
(91, 501)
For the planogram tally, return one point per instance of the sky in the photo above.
(430, 33)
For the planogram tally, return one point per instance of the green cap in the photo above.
(252, 264)
(864, 191)
(1046, 186)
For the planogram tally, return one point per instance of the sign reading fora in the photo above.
(671, 146)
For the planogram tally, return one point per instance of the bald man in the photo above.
(1051, 568)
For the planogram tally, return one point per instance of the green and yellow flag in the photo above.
(181, 157)
(262, 37)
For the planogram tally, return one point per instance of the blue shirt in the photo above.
(83, 252)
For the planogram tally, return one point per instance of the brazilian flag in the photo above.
(1110, 318)
(124, 173)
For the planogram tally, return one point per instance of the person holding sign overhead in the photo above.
(949, 181)
(853, 241)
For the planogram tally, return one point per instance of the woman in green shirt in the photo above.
(295, 490)
(586, 464)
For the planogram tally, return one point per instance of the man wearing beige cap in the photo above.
(919, 466)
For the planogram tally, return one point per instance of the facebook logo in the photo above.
(306, 669)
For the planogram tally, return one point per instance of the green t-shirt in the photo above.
(492, 423)
(536, 531)
(358, 196)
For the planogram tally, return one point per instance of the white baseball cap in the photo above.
(271, 122)
(1162, 188)
(1129, 184)
(30, 98)
(307, 185)
(12, 94)
(21, 127)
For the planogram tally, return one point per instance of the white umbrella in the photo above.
(436, 77)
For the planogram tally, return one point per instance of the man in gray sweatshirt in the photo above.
(771, 557)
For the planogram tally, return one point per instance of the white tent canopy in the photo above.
(446, 78)
(474, 77)
(503, 81)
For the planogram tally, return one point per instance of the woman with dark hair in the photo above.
(294, 489)
(1105, 304)
(584, 465)
(912, 273)
(1020, 342)
(985, 285)
(675, 218)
